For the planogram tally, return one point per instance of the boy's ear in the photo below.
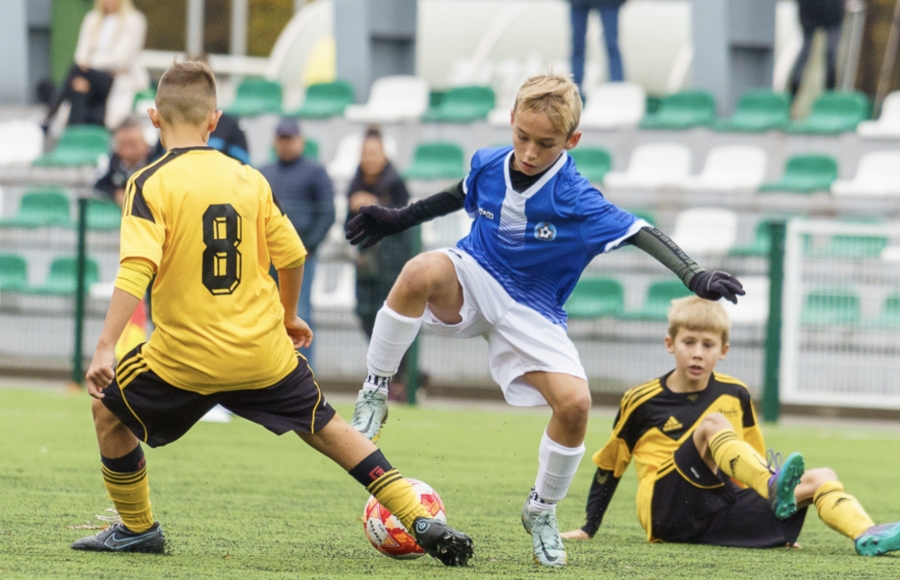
(670, 346)
(214, 120)
(154, 116)
(725, 348)
(572, 141)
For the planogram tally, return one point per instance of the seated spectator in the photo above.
(101, 84)
(130, 153)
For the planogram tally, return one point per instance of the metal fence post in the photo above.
(771, 405)
(80, 293)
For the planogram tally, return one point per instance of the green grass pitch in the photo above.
(238, 502)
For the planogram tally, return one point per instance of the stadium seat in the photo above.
(653, 165)
(349, 149)
(596, 297)
(593, 163)
(78, 145)
(876, 174)
(462, 105)
(730, 168)
(887, 126)
(757, 111)
(334, 288)
(805, 174)
(256, 97)
(890, 311)
(831, 307)
(613, 106)
(324, 100)
(13, 272)
(753, 307)
(40, 207)
(761, 244)
(682, 111)
(851, 246)
(439, 160)
(705, 231)
(63, 277)
(659, 297)
(834, 112)
(103, 215)
(392, 99)
(21, 142)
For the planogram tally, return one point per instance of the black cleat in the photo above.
(441, 541)
(118, 538)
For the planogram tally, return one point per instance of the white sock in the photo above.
(558, 465)
(391, 337)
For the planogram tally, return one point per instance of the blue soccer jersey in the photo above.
(537, 243)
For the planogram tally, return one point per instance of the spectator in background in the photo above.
(130, 153)
(815, 14)
(101, 85)
(377, 183)
(609, 17)
(304, 191)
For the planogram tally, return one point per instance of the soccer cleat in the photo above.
(879, 540)
(545, 539)
(441, 541)
(118, 538)
(370, 412)
(784, 479)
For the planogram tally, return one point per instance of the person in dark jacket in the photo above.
(815, 14)
(377, 182)
(609, 17)
(306, 195)
(130, 153)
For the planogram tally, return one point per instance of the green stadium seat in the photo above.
(593, 162)
(13, 272)
(890, 312)
(256, 97)
(659, 298)
(834, 112)
(682, 111)
(103, 215)
(805, 174)
(148, 94)
(40, 207)
(324, 100)
(761, 244)
(438, 160)
(63, 277)
(843, 246)
(78, 145)
(596, 297)
(831, 307)
(757, 111)
(462, 105)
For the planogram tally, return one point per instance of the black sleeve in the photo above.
(602, 489)
(446, 201)
(667, 252)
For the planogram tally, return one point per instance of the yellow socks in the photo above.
(739, 460)
(840, 511)
(398, 496)
(126, 482)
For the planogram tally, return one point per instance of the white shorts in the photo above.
(520, 340)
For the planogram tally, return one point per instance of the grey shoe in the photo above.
(370, 413)
(118, 538)
(548, 546)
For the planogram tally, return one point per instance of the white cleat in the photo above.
(548, 546)
(370, 413)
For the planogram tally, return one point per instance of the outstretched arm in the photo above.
(709, 285)
(602, 489)
(375, 222)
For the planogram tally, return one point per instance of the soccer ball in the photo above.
(388, 535)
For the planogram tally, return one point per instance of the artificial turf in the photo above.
(238, 502)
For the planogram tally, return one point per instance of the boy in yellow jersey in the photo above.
(208, 226)
(690, 432)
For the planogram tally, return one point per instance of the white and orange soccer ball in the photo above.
(388, 535)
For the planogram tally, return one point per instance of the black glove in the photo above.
(373, 223)
(716, 284)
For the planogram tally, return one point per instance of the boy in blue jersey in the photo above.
(537, 225)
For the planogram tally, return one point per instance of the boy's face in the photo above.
(537, 144)
(696, 353)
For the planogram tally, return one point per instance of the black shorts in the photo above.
(159, 413)
(691, 504)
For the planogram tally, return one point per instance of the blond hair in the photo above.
(554, 95)
(186, 93)
(697, 314)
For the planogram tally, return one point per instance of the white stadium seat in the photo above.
(653, 165)
(21, 142)
(392, 99)
(753, 307)
(614, 105)
(876, 174)
(705, 231)
(888, 124)
(730, 168)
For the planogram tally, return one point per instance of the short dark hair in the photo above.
(186, 93)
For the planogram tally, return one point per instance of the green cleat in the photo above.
(371, 412)
(784, 479)
(879, 540)
(548, 549)
(118, 538)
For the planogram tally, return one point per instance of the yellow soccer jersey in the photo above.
(210, 225)
(653, 422)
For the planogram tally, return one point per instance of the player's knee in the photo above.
(820, 476)
(104, 420)
(576, 407)
(714, 422)
(419, 275)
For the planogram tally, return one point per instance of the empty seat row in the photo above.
(62, 279)
(51, 207)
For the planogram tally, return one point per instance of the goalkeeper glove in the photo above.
(716, 284)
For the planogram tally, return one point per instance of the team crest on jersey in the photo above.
(545, 231)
